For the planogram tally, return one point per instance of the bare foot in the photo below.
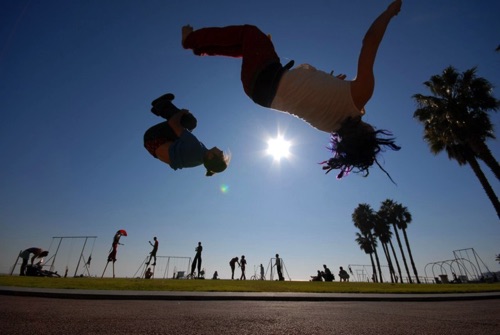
(186, 30)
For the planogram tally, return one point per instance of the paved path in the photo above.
(38, 315)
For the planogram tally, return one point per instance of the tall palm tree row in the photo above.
(364, 219)
(377, 225)
(456, 120)
(384, 234)
(403, 219)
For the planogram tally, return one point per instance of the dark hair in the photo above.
(215, 164)
(355, 147)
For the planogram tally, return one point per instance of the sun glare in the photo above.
(278, 148)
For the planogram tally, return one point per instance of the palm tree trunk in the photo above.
(484, 153)
(484, 182)
(381, 280)
(411, 256)
(402, 255)
(389, 261)
(374, 276)
(397, 262)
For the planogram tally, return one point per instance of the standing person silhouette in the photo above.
(114, 246)
(278, 268)
(232, 264)
(243, 263)
(197, 260)
(328, 103)
(154, 251)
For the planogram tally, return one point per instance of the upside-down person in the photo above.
(329, 103)
(173, 143)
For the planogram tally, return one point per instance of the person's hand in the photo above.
(339, 76)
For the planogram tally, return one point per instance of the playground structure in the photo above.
(364, 273)
(167, 267)
(466, 266)
(64, 256)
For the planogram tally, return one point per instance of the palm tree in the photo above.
(456, 120)
(367, 246)
(388, 207)
(403, 220)
(386, 214)
(364, 219)
(383, 232)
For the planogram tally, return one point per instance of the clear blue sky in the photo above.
(76, 82)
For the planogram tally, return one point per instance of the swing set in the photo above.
(466, 267)
(65, 245)
(270, 269)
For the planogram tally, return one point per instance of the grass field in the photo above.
(240, 286)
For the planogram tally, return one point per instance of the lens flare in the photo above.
(224, 188)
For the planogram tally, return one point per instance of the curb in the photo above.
(243, 296)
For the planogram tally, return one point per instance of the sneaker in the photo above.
(164, 108)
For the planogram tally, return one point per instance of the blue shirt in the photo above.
(186, 151)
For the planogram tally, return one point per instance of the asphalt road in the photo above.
(35, 315)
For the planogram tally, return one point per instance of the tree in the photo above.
(388, 212)
(364, 219)
(456, 120)
(403, 219)
(382, 231)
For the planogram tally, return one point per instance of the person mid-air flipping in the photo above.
(328, 103)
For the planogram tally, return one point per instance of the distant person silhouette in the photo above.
(243, 263)
(343, 275)
(279, 268)
(197, 260)
(25, 255)
(154, 251)
(232, 264)
(328, 275)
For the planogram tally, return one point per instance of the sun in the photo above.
(278, 148)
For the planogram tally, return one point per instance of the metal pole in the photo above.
(80, 258)
(15, 263)
(57, 250)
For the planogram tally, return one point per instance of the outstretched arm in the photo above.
(362, 87)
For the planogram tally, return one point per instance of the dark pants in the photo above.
(261, 69)
(233, 266)
(196, 261)
(151, 255)
(24, 265)
(157, 135)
